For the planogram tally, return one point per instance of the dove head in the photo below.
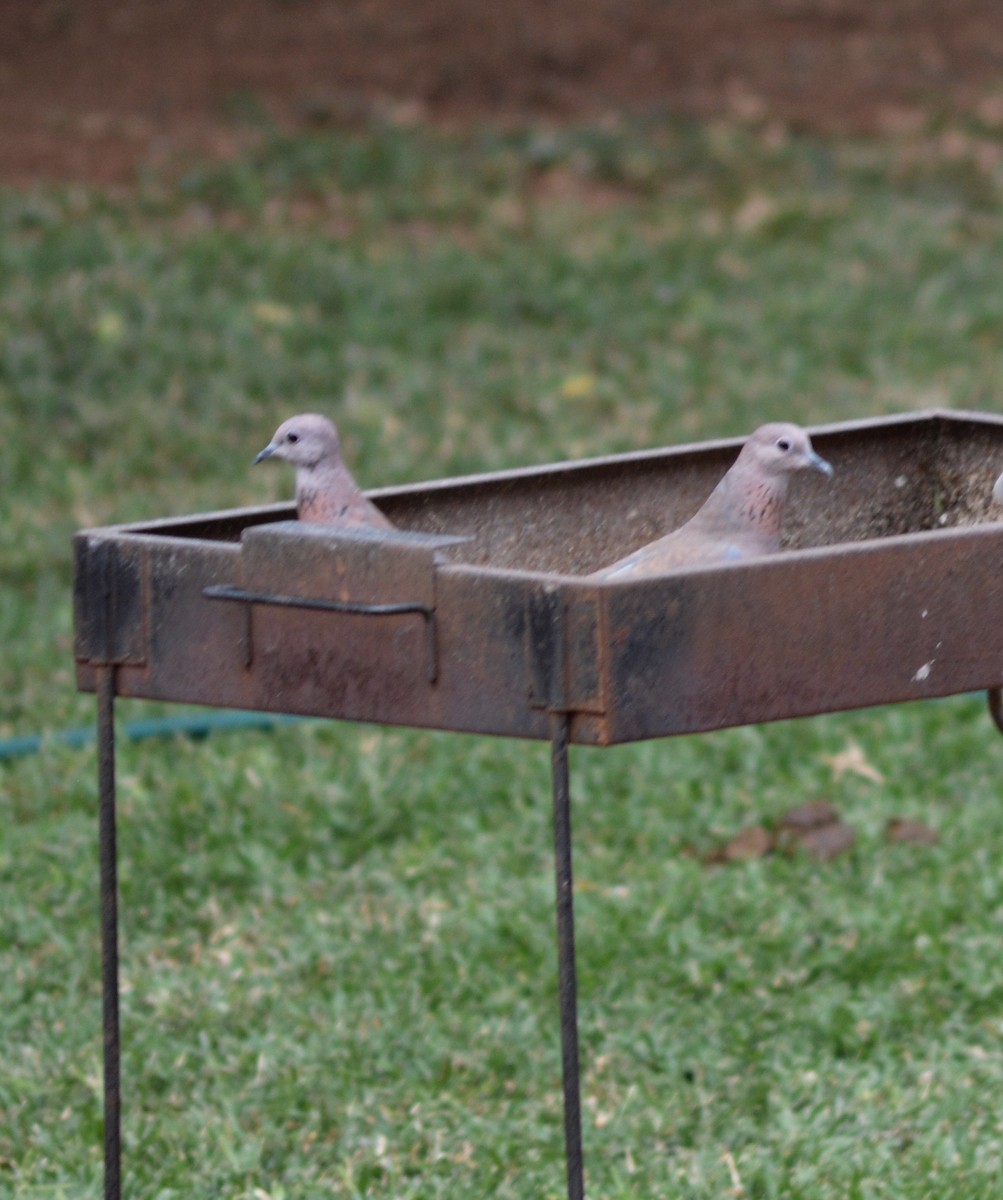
(305, 441)
(781, 449)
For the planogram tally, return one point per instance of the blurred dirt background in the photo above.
(95, 89)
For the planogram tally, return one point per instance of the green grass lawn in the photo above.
(337, 949)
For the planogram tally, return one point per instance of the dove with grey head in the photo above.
(325, 489)
(742, 516)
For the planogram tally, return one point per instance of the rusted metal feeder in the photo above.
(476, 617)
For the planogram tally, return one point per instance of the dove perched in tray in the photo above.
(741, 518)
(325, 489)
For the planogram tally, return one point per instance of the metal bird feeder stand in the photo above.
(477, 618)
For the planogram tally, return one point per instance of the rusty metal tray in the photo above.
(477, 616)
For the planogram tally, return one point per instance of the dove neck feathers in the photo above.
(327, 492)
(746, 504)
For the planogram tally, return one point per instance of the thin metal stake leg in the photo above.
(566, 955)
(109, 932)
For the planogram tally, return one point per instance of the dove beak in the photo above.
(818, 463)
(268, 451)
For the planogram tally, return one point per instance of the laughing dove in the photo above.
(741, 518)
(325, 489)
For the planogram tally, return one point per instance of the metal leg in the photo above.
(109, 932)
(566, 956)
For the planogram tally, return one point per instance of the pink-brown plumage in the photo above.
(741, 518)
(325, 489)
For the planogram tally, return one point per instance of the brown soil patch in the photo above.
(93, 89)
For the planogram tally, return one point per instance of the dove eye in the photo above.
(292, 437)
(783, 444)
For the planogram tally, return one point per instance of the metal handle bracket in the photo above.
(354, 608)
